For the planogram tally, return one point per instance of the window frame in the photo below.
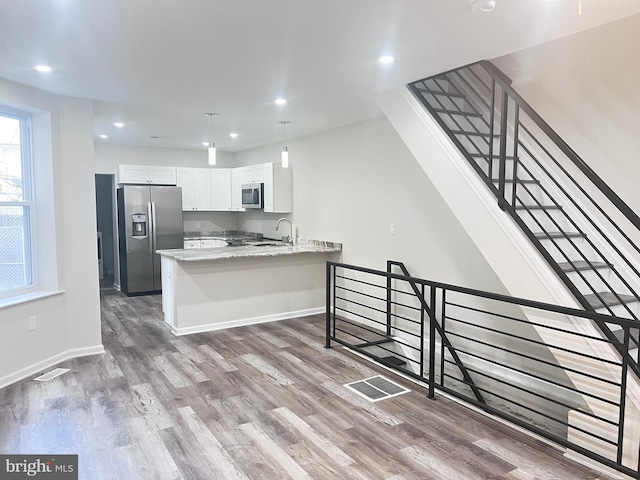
(28, 202)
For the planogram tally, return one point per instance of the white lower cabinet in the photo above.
(190, 244)
(212, 243)
(204, 243)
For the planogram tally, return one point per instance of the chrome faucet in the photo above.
(288, 240)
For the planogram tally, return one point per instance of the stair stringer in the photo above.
(496, 235)
(499, 239)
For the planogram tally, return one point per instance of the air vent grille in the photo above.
(376, 388)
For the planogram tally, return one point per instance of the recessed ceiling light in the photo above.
(281, 101)
(386, 59)
(233, 135)
(43, 68)
(102, 135)
(205, 144)
(118, 124)
(482, 5)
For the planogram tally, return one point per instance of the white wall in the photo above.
(68, 324)
(108, 156)
(351, 183)
(586, 87)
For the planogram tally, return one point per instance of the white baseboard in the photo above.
(587, 462)
(241, 322)
(50, 362)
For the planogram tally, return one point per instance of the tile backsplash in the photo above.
(257, 222)
(209, 221)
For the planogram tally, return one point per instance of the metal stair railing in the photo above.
(533, 367)
(557, 200)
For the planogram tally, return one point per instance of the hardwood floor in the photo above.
(258, 402)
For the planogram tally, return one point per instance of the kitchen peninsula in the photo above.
(215, 288)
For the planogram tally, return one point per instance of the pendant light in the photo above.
(285, 149)
(212, 145)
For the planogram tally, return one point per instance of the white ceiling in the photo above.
(159, 65)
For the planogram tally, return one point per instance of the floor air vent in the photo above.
(51, 375)
(376, 388)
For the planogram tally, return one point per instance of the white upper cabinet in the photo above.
(217, 189)
(277, 188)
(196, 188)
(185, 180)
(202, 188)
(237, 179)
(147, 174)
(254, 173)
(162, 175)
(221, 189)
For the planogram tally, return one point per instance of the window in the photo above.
(16, 203)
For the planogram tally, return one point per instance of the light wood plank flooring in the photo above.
(259, 402)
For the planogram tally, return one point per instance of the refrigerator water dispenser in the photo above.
(139, 221)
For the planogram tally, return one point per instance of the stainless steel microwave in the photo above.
(253, 195)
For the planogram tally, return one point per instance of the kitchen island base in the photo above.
(201, 296)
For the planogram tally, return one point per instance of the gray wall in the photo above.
(351, 183)
(586, 87)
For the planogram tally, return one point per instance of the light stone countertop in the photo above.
(212, 254)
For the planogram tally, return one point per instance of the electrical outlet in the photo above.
(392, 229)
(32, 322)
(197, 224)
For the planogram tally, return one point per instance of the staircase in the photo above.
(558, 225)
(576, 222)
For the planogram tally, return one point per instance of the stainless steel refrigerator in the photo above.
(149, 219)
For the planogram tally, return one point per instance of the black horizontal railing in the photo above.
(541, 367)
(581, 227)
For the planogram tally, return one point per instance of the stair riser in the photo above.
(449, 103)
(527, 194)
(478, 145)
(440, 84)
(608, 282)
(545, 220)
(522, 175)
(467, 124)
(623, 311)
(574, 249)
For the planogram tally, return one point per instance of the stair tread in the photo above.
(435, 92)
(486, 156)
(453, 112)
(476, 134)
(581, 265)
(518, 180)
(538, 207)
(548, 235)
(608, 299)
